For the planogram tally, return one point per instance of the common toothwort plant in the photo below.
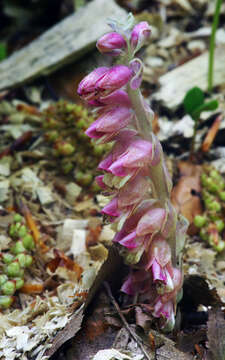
(150, 234)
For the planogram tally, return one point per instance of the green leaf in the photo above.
(208, 106)
(193, 100)
(3, 52)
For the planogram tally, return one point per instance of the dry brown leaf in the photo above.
(185, 194)
(61, 260)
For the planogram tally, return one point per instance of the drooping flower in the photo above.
(137, 155)
(111, 43)
(140, 35)
(151, 222)
(115, 78)
(86, 88)
(109, 123)
(128, 196)
(117, 98)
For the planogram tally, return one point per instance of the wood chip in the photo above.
(176, 83)
(65, 42)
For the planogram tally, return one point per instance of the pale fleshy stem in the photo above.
(161, 190)
(144, 128)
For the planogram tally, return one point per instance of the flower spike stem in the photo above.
(150, 234)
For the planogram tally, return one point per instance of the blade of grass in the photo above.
(212, 44)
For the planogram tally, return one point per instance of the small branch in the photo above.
(132, 333)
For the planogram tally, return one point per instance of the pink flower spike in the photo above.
(86, 88)
(111, 208)
(116, 77)
(152, 221)
(111, 43)
(140, 35)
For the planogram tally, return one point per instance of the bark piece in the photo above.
(65, 42)
(176, 83)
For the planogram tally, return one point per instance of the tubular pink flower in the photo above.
(111, 43)
(151, 222)
(133, 191)
(140, 34)
(86, 88)
(116, 77)
(109, 123)
(127, 236)
(157, 272)
(137, 155)
(123, 140)
(160, 251)
(117, 98)
(111, 209)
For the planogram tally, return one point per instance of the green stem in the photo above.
(212, 44)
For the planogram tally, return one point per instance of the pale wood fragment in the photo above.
(65, 42)
(177, 82)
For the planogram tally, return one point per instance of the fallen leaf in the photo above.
(185, 194)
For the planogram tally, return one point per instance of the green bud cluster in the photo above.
(211, 223)
(14, 262)
(65, 124)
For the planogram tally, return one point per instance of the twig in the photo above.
(132, 333)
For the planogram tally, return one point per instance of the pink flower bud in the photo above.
(111, 43)
(110, 123)
(137, 155)
(151, 222)
(86, 88)
(116, 77)
(140, 35)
